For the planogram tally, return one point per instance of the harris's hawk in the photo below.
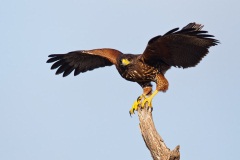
(179, 48)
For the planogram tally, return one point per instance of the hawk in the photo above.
(178, 48)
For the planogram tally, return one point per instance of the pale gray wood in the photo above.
(153, 140)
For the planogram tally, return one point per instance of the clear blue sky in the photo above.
(47, 117)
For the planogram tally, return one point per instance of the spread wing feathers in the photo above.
(179, 48)
(82, 61)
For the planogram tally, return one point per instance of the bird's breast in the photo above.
(139, 72)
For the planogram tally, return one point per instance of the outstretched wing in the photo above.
(82, 61)
(179, 48)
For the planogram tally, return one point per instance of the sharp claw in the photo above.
(130, 113)
(139, 98)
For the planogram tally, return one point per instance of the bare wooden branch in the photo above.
(153, 140)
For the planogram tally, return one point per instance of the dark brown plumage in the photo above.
(179, 48)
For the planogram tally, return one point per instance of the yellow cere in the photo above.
(125, 62)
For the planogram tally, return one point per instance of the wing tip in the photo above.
(171, 31)
(49, 60)
(52, 55)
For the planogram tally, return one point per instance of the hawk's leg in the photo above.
(162, 85)
(147, 90)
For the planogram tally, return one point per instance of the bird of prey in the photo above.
(178, 48)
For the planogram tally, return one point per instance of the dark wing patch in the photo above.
(79, 61)
(183, 48)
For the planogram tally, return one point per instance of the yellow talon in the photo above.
(149, 100)
(141, 103)
(135, 105)
(134, 108)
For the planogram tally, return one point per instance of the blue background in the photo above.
(43, 116)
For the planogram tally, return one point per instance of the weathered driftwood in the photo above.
(153, 140)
